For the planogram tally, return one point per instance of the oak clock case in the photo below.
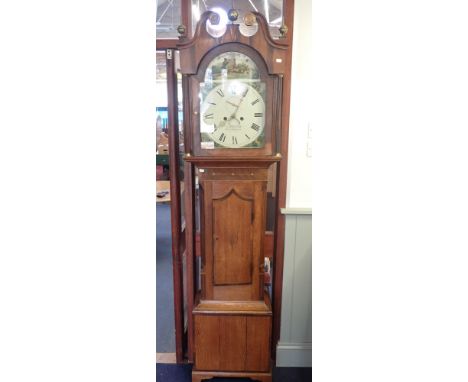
(234, 87)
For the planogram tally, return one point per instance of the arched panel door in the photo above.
(232, 240)
(234, 208)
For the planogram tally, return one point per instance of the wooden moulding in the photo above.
(162, 44)
(233, 307)
(237, 162)
(233, 173)
(274, 52)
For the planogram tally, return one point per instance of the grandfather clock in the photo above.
(232, 78)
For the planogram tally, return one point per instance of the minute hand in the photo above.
(233, 115)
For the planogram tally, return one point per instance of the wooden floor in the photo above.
(165, 358)
(163, 186)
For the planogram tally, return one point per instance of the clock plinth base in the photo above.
(200, 375)
(234, 340)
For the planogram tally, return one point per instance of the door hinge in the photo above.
(169, 54)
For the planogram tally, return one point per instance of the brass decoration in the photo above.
(249, 19)
(233, 15)
(181, 29)
(283, 30)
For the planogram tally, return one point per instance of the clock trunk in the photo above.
(233, 210)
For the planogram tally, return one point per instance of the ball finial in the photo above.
(249, 19)
(181, 29)
(283, 30)
(233, 15)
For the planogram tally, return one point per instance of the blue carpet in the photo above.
(182, 373)
(165, 333)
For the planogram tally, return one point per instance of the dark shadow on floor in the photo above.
(183, 373)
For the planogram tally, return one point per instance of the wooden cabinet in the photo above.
(232, 131)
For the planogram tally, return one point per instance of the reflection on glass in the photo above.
(271, 9)
(168, 16)
(232, 104)
(162, 140)
(180, 109)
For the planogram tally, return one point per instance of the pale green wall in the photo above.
(295, 346)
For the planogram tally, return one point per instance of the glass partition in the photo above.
(162, 138)
(168, 16)
(180, 109)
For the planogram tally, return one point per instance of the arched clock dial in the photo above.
(233, 107)
(233, 114)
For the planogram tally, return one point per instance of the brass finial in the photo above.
(249, 19)
(283, 30)
(181, 29)
(233, 15)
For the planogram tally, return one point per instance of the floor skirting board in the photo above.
(294, 354)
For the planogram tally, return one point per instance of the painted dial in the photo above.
(234, 114)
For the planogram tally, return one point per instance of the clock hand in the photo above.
(233, 104)
(233, 115)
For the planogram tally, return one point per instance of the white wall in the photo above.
(295, 345)
(299, 188)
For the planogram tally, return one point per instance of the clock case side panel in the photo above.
(272, 105)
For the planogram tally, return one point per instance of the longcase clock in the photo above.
(233, 88)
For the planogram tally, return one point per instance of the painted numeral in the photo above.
(209, 116)
(220, 92)
(234, 140)
(256, 101)
(258, 114)
(222, 137)
(255, 127)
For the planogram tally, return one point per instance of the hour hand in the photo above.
(233, 104)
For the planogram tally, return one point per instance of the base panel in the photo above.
(199, 375)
